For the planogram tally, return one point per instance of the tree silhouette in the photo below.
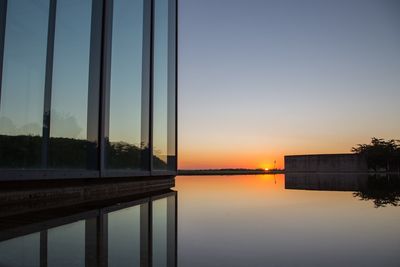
(380, 154)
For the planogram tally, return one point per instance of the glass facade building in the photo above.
(88, 88)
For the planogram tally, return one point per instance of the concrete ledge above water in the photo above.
(38, 195)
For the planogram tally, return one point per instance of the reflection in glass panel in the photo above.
(128, 127)
(164, 85)
(164, 231)
(22, 85)
(135, 235)
(22, 251)
(66, 245)
(69, 104)
(124, 237)
(160, 232)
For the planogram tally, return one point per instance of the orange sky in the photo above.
(261, 151)
(258, 153)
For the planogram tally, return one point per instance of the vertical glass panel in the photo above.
(129, 101)
(164, 231)
(171, 231)
(124, 237)
(21, 252)
(66, 245)
(69, 104)
(160, 232)
(164, 84)
(22, 85)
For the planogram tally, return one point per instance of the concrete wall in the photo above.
(325, 163)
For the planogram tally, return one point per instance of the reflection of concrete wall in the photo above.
(325, 163)
(327, 181)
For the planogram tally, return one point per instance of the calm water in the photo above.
(260, 220)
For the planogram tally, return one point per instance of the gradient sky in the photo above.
(260, 79)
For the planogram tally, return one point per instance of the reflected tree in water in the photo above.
(383, 190)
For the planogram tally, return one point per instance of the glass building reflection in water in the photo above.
(135, 233)
(88, 85)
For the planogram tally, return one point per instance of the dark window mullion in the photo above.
(94, 84)
(105, 82)
(43, 248)
(176, 83)
(151, 106)
(3, 14)
(48, 82)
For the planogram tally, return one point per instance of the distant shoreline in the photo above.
(229, 172)
(261, 172)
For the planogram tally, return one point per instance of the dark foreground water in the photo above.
(260, 220)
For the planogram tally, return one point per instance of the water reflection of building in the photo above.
(84, 95)
(383, 189)
(326, 181)
(139, 231)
